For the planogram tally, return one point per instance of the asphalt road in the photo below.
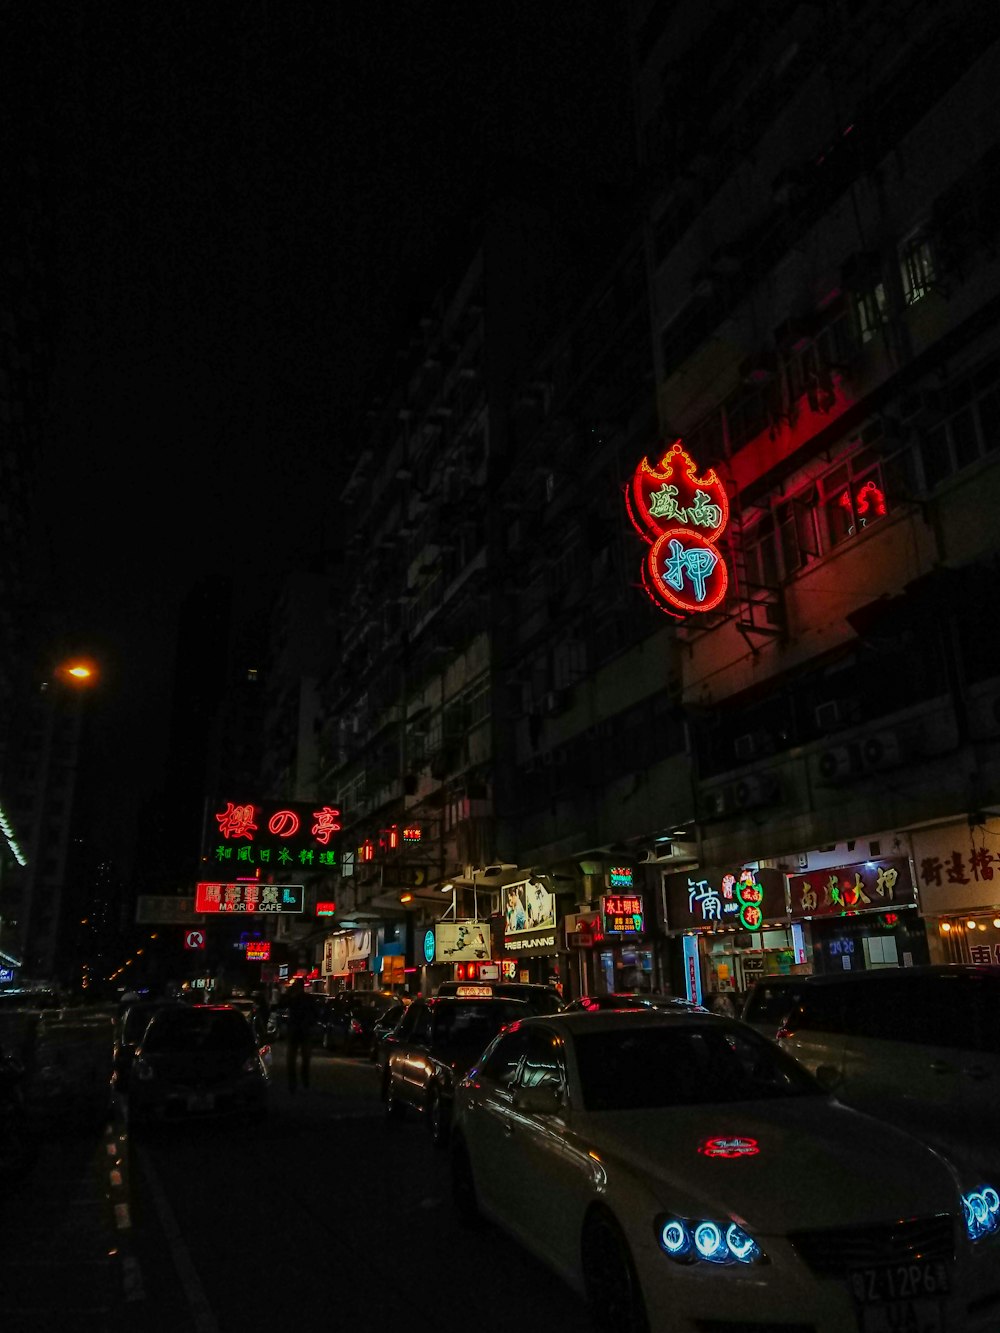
(327, 1214)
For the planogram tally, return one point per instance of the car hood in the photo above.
(797, 1164)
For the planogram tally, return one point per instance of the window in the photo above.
(871, 308)
(853, 497)
(967, 424)
(502, 1063)
(542, 1066)
(916, 265)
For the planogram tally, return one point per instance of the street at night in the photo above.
(327, 1212)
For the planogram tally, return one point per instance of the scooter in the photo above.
(18, 1147)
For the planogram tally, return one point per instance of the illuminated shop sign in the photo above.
(621, 877)
(736, 896)
(528, 906)
(621, 914)
(460, 941)
(7, 974)
(680, 516)
(272, 835)
(258, 951)
(530, 942)
(735, 1146)
(861, 887)
(266, 898)
(430, 945)
(325, 909)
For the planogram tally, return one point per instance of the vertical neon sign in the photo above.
(680, 516)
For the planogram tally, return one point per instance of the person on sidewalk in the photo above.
(299, 1031)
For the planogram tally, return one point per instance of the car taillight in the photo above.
(784, 1031)
(356, 1027)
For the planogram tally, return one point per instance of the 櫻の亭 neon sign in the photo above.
(680, 516)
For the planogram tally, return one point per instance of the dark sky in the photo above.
(248, 203)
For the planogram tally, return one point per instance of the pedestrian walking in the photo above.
(298, 1030)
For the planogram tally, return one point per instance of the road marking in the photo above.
(194, 1292)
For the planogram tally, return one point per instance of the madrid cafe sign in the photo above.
(680, 516)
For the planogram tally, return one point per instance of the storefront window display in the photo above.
(859, 917)
(737, 919)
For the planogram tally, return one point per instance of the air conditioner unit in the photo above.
(838, 764)
(756, 790)
(881, 751)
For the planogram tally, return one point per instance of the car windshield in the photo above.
(471, 1023)
(683, 1066)
(198, 1030)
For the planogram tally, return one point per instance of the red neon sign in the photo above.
(258, 951)
(735, 1146)
(680, 516)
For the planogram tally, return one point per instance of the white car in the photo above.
(682, 1173)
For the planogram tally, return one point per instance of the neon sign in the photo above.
(248, 898)
(256, 834)
(258, 951)
(622, 913)
(620, 877)
(681, 516)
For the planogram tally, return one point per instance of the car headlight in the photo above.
(981, 1209)
(688, 1241)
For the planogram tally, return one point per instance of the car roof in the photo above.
(881, 975)
(601, 1020)
(451, 1000)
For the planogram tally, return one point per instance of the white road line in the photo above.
(194, 1292)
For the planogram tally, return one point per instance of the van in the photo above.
(918, 1047)
(540, 999)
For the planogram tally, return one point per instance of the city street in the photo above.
(326, 1212)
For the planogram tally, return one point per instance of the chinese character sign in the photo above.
(741, 896)
(258, 951)
(622, 913)
(248, 898)
(680, 516)
(842, 890)
(957, 867)
(250, 836)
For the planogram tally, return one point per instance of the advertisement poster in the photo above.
(461, 941)
(528, 906)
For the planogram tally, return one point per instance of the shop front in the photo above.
(859, 916)
(532, 945)
(733, 928)
(609, 947)
(958, 882)
(346, 957)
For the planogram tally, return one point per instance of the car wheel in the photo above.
(438, 1120)
(393, 1106)
(614, 1295)
(463, 1185)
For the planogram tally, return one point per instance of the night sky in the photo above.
(249, 204)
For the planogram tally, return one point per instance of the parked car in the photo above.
(197, 1060)
(348, 1019)
(592, 1004)
(386, 1024)
(915, 1046)
(130, 1027)
(769, 1001)
(540, 999)
(436, 1042)
(681, 1172)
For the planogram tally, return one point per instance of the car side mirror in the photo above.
(827, 1076)
(544, 1100)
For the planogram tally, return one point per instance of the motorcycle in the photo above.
(18, 1148)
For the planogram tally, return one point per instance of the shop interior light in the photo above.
(971, 925)
(996, 922)
(946, 927)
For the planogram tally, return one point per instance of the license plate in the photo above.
(201, 1101)
(900, 1282)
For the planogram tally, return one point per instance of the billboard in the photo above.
(528, 906)
(461, 941)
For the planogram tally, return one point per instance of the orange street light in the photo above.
(77, 671)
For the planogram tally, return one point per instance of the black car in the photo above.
(539, 998)
(347, 1020)
(435, 1045)
(133, 1019)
